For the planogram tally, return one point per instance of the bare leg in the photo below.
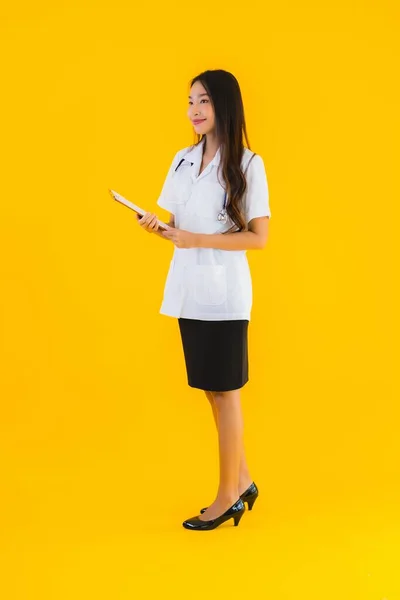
(210, 398)
(230, 439)
(244, 474)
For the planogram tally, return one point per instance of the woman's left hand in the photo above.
(181, 238)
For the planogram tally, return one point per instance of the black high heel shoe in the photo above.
(236, 512)
(250, 496)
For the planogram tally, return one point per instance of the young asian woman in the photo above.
(216, 193)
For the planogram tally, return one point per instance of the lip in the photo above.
(197, 122)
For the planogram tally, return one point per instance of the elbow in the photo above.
(261, 242)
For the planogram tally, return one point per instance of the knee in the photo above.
(210, 396)
(219, 397)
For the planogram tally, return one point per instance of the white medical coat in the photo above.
(208, 283)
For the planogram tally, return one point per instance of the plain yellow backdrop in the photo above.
(105, 450)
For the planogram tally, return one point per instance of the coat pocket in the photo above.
(210, 285)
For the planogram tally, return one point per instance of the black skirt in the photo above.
(216, 354)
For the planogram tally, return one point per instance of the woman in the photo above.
(213, 221)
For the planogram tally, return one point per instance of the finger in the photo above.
(143, 219)
(149, 219)
(153, 223)
(146, 217)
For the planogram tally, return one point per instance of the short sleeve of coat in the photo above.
(257, 193)
(166, 191)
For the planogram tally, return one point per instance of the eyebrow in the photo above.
(190, 97)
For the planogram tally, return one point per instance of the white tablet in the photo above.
(135, 208)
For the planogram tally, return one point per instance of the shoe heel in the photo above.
(251, 501)
(237, 518)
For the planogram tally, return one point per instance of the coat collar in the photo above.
(195, 155)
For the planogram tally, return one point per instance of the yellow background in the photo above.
(105, 450)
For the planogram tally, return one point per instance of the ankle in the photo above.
(244, 482)
(228, 498)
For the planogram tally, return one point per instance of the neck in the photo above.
(211, 145)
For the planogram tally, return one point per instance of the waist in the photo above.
(208, 256)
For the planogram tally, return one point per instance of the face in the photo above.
(201, 109)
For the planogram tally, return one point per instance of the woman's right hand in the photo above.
(148, 222)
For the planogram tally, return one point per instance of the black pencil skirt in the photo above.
(216, 354)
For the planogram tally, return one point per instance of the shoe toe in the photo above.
(191, 523)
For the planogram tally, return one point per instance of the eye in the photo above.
(203, 99)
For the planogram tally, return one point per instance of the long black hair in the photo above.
(230, 128)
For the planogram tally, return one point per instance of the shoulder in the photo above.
(252, 161)
(178, 155)
(183, 151)
(247, 154)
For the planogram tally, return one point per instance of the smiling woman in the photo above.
(216, 192)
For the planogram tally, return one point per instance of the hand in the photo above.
(181, 238)
(148, 222)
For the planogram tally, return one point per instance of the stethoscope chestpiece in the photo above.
(222, 216)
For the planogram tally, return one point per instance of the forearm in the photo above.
(159, 234)
(242, 240)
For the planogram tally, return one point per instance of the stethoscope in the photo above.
(222, 216)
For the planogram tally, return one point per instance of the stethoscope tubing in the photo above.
(222, 213)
